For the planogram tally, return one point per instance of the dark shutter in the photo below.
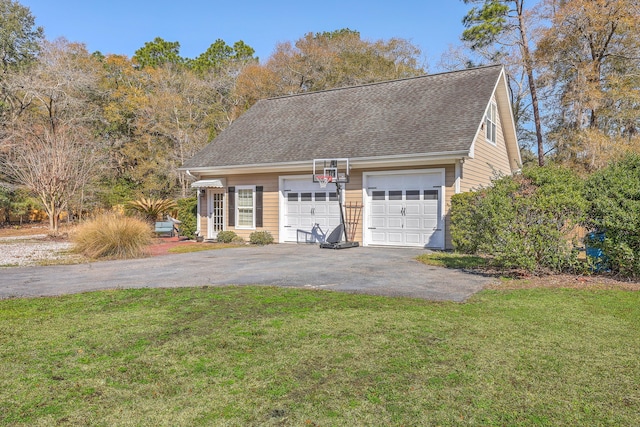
(232, 206)
(259, 206)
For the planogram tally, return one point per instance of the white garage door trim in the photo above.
(439, 178)
(326, 212)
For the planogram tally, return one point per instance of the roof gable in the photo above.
(427, 115)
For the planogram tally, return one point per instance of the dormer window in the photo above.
(490, 123)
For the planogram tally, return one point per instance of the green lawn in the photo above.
(268, 356)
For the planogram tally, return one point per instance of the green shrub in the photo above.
(113, 236)
(614, 196)
(261, 238)
(523, 221)
(113, 192)
(187, 214)
(227, 236)
(464, 222)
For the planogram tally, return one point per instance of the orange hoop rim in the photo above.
(323, 180)
(327, 178)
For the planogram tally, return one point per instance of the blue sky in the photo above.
(121, 27)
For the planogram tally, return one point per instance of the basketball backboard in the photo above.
(337, 169)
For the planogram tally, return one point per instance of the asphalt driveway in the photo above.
(376, 271)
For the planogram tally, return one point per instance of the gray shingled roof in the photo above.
(422, 115)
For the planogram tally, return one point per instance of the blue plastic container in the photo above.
(597, 257)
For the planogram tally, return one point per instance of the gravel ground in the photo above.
(31, 250)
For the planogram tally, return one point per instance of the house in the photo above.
(411, 144)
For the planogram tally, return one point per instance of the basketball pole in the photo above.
(344, 225)
(337, 239)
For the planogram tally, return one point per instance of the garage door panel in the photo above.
(378, 238)
(395, 238)
(394, 222)
(293, 208)
(413, 238)
(378, 222)
(334, 209)
(378, 209)
(414, 209)
(394, 208)
(321, 208)
(413, 224)
(411, 205)
(310, 212)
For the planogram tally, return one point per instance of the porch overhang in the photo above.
(208, 183)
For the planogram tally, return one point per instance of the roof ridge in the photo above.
(335, 89)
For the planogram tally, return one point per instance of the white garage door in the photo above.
(310, 213)
(405, 209)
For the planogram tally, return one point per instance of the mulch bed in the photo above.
(162, 245)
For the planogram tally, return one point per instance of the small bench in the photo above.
(163, 227)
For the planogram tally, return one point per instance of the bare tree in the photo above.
(55, 165)
(51, 148)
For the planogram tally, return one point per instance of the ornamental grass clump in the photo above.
(113, 236)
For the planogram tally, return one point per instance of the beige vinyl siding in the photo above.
(353, 194)
(490, 160)
(269, 182)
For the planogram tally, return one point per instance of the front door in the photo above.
(215, 210)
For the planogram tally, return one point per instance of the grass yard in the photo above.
(254, 356)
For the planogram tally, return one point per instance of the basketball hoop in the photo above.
(323, 180)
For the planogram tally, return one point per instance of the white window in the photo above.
(245, 207)
(490, 123)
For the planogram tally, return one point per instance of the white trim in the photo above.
(198, 218)
(237, 206)
(493, 106)
(503, 76)
(402, 160)
(458, 176)
(210, 192)
(365, 199)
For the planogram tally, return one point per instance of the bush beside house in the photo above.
(228, 236)
(614, 210)
(187, 214)
(523, 221)
(261, 238)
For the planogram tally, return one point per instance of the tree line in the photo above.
(574, 68)
(82, 131)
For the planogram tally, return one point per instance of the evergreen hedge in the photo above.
(614, 197)
(523, 221)
(187, 213)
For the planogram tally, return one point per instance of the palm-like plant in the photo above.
(151, 208)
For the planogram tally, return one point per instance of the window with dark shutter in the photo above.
(259, 191)
(232, 206)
